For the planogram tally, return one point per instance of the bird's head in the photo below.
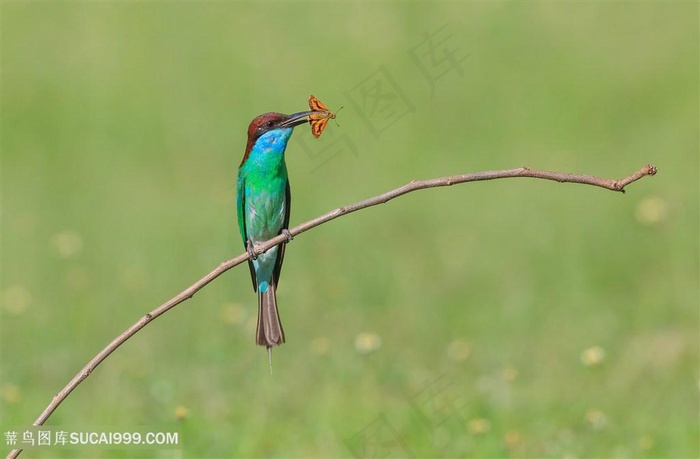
(273, 130)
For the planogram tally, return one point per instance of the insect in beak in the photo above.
(320, 114)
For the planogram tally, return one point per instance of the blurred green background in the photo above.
(516, 318)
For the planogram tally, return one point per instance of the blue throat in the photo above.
(274, 141)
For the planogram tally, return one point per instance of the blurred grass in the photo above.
(122, 128)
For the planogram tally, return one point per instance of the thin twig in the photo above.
(613, 185)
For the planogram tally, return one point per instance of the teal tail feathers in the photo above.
(269, 331)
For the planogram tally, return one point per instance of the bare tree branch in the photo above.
(613, 185)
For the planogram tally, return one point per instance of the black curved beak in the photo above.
(295, 119)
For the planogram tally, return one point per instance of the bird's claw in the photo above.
(251, 251)
(287, 234)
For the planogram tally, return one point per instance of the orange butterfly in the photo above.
(320, 116)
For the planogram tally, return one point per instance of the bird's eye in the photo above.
(270, 123)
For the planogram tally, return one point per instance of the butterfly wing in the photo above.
(318, 120)
(318, 125)
(316, 105)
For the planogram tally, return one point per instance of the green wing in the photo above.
(240, 207)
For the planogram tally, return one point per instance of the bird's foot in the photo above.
(251, 251)
(287, 234)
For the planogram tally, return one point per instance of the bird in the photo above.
(263, 204)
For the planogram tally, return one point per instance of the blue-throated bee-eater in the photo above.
(263, 203)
